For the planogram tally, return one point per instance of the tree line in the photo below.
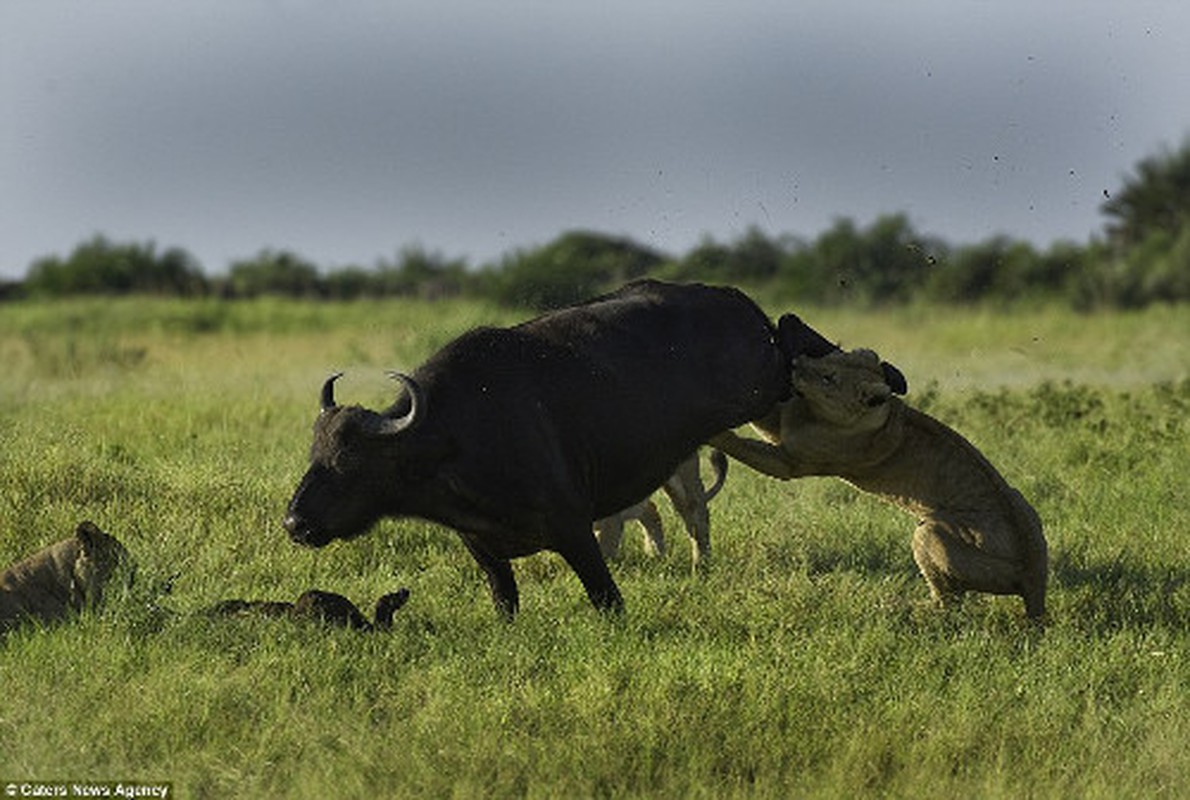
(1142, 257)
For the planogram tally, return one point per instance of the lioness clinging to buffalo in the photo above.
(975, 532)
(61, 579)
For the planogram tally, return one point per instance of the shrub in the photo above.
(99, 266)
(572, 268)
(275, 273)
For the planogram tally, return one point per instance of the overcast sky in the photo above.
(344, 131)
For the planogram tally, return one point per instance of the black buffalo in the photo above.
(519, 437)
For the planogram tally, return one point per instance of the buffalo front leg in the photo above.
(582, 553)
(500, 578)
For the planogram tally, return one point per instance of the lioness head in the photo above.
(101, 557)
(848, 389)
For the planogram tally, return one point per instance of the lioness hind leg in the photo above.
(650, 518)
(689, 498)
(609, 531)
(951, 565)
(929, 553)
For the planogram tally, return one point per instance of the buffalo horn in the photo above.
(328, 391)
(395, 426)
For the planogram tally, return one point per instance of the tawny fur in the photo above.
(975, 532)
(689, 497)
(62, 579)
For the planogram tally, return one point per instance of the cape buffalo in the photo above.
(520, 437)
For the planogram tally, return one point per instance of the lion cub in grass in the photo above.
(61, 579)
(974, 531)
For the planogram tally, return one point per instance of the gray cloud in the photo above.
(345, 132)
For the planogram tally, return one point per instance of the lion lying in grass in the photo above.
(318, 606)
(689, 497)
(975, 532)
(61, 579)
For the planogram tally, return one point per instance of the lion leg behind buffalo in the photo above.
(691, 500)
(952, 565)
(610, 530)
(685, 490)
(650, 519)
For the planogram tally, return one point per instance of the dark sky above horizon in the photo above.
(344, 131)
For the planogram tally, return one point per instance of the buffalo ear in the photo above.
(796, 338)
(894, 378)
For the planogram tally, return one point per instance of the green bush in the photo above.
(885, 263)
(275, 273)
(1144, 258)
(574, 267)
(99, 266)
(417, 273)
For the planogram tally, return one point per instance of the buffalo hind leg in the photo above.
(584, 557)
(500, 579)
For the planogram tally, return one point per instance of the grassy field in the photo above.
(806, 663)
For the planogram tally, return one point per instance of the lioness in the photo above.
(61, 579)
(689, 497)
(319, 606)
(975, 532)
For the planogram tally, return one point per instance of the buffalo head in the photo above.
(353, 463)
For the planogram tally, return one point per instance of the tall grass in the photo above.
(806, 663)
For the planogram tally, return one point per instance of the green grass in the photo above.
(807, 663)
